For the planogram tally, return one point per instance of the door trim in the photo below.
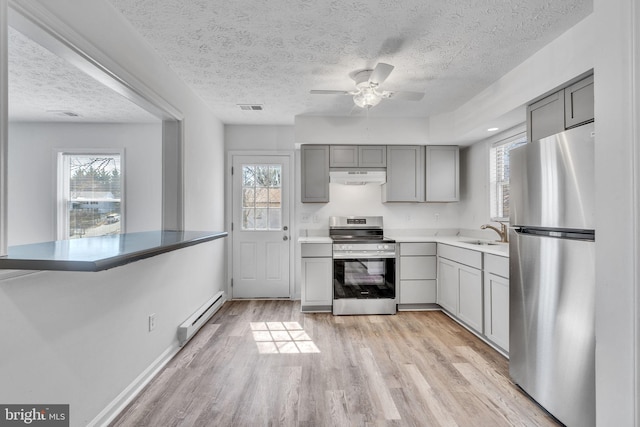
(228, 212)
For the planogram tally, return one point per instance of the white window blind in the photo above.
(90, 189)
(499, 176)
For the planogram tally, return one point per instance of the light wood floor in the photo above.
(263, 363)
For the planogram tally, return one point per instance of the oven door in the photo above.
(364, 278)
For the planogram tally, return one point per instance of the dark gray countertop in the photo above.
(101, 253)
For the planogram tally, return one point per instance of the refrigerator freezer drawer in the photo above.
(552, 181)
(552, 324)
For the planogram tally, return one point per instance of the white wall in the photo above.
(80, 338)
(32, 173)
(617, 103)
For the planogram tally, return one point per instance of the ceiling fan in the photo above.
(368, 92)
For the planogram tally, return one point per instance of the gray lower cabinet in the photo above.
(417, 275)
(317, 277)
(315, 173)
(460, 284)
(442, 171)
(405, 174)
(496, 300)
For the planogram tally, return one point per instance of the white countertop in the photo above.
(494, 248)
(315, 239)
(489, 246)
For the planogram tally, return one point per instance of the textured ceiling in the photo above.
(45, 87)
(272, 52)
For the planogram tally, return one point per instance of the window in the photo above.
(261, 197)
(499, 176)
(90, 194)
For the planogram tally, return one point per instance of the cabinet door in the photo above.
(315, 173)
(578, 103)
(405, 174)
(442, 172)
(470, 297)
(343, 156)
(417, 267)
(372, 156)
(448, 285)
(546, 117)
(496, 309)
(417, 291)
(317, 277)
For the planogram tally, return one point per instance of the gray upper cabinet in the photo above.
(315, 173)
(358, 156)
(343, 156)
(442, 173)
(578, 103)
(405, 174)
(569, 107)
(372, 156)
(545, 117)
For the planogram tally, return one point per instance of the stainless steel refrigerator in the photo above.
(552, 274)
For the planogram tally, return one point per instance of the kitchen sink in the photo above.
(480, 242)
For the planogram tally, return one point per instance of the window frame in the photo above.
(61, 217)
(515, 137)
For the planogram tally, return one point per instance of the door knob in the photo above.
(285, 238)
(285, 228)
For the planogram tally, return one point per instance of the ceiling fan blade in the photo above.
(330, 92)
(380, 73)
(405, 96)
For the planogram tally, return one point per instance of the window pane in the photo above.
(262, 176)
(274, 197)
(262, 191)
(261, 219)
(262, 197)
(248, 176)
(275, 219)
(248, 197)
(276, 178)
(248, 219)
(499, 176)
(92, 194)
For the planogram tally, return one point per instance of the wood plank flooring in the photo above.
(263, 363)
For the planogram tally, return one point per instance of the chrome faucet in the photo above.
(502, 232)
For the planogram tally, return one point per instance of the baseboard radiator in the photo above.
(190, 326)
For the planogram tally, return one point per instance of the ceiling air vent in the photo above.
(250, 107)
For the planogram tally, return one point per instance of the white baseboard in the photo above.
(118, 404)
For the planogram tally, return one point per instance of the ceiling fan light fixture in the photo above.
(367, 98)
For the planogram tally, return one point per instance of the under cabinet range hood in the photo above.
(357, 177)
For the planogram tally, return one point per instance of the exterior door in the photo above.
(260, 229)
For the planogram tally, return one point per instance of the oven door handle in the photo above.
(368, 255)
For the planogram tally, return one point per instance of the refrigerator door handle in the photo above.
(586, 235)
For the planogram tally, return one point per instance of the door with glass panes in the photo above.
(260, 234)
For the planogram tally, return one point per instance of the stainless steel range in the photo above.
(364, 266)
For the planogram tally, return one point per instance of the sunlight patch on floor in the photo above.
(282, 338)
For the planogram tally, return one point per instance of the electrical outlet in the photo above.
(152, 322)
